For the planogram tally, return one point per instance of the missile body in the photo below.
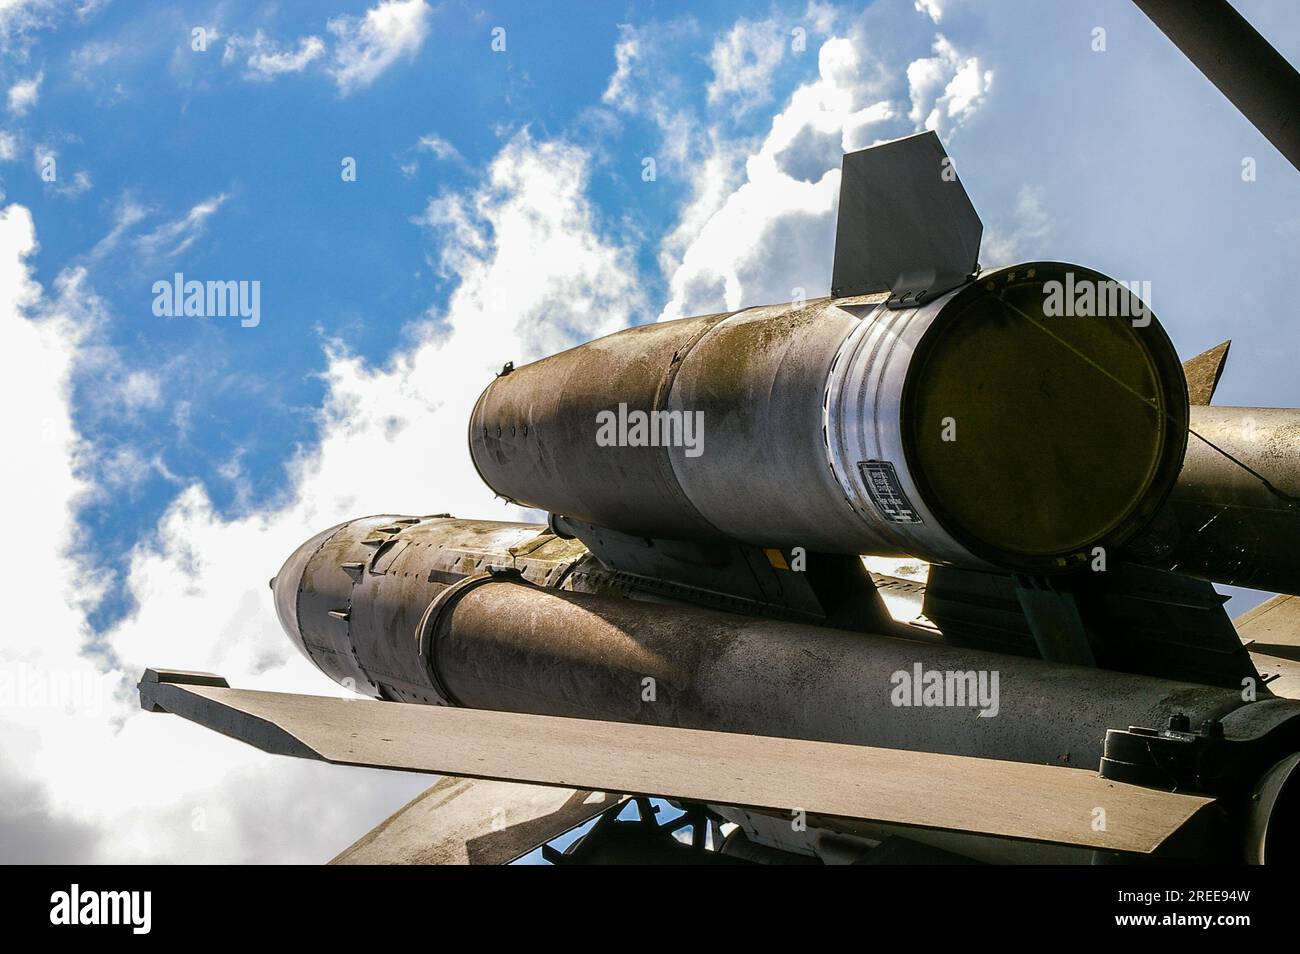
(976, 429)
(510, 617)
(1234, 514)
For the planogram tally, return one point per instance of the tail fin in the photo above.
(905, 225)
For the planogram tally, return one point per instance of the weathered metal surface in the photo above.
(1234, 515)
(914, 789)
(532, 433)
(906, 225)
(1137, 619)
(831, 589)
(506, 645)
(1203, 373)
(1271, 632)
(757, 382)
(1270, 826)
(721, 574)
(351, 598)
(823, 426)
(464, 821)
(1245, 67)
(512, 647)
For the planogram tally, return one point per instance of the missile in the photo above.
(1234, 514)
(512, 618)
(976, 429)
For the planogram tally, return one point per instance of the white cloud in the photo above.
(434, 145)
(46, 163)
(266, 59)
(70, 189)
(43, 653)
(370, 44)
(140, 389)
(627, 51)
(946, 88)
(744, 61)
(1019, 236)
(24, 94)
(439, 147)
(770, 236)
(646, 82)
(172, 238)
(361, 47)
(931, 8)
(126, 216)
(8, 146)
(90, 58)
(536, 273)
(20, 18)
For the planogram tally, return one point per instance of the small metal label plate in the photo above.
(886, 492)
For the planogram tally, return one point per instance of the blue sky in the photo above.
(499, 212)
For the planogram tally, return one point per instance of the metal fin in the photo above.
(1203, 373)
(905, 224)
(474, 821)
(1040, 803)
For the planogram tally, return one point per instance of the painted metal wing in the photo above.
(1033, 803)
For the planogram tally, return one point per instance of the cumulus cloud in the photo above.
(771, 237)
(537, 272)
(50, 691)
(368, 45)
(24, 94)
(759, 222)
(947, 88)
(744, 60)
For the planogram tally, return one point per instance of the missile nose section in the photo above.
(287, 584)
(313, 597)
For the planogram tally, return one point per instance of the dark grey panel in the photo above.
(905, 225)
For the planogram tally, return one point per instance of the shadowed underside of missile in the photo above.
(695, 621)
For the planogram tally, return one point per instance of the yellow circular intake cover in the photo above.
(1044, 414)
